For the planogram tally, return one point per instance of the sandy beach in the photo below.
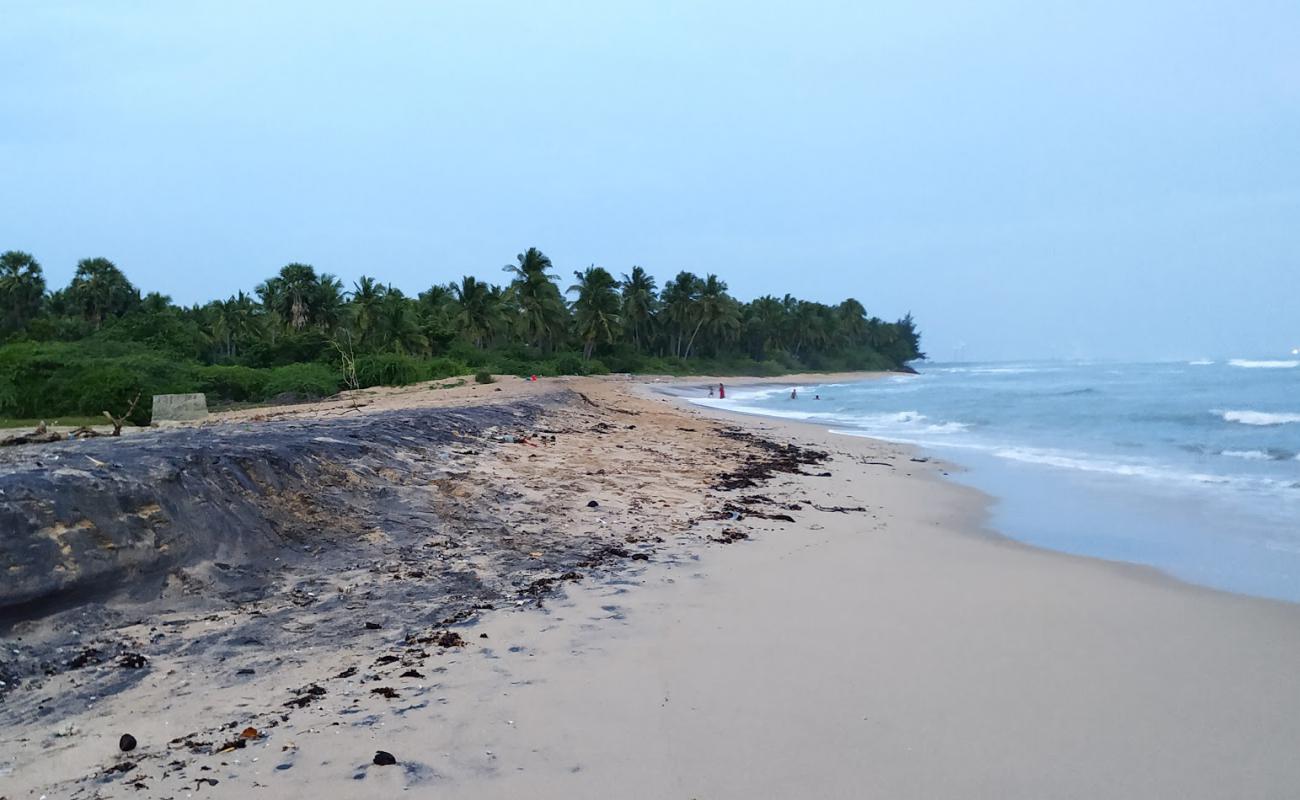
(589, 588)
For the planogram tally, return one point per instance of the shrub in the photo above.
(483, 376)
(310, 380)
(232, 383)
(389, 369)
(436, 368)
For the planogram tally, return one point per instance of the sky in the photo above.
(1038, 179)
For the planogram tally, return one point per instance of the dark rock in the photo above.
(373, 626)
(385, 691)
(383, 758)
(592, 504)
(127, 743)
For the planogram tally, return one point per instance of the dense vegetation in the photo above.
(95, 344)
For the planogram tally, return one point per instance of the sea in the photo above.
(1192, 468)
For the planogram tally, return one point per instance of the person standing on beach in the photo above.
(710, 390)
(722, 392)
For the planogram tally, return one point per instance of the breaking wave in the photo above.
(1247, 364)
(1259, 417)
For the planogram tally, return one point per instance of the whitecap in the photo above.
(1241, 362)
(1249, 455)
(1259, 417)
(1200, 362)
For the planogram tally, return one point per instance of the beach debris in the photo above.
(640, 556)
(838, 509)
(39, 436)
(347, 673)
(412, 673)
(383, 758)
(388, 659)
(250, 733)
(246, 671)
(233, 744)
(373, 626)
(385, 691)
(126, 743)
(730, 535)
(86, 657)
(123, 766)
(132, 661)
(306, 696)
(443, 639)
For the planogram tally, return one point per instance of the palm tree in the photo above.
(235, 321)
(477, 309)
(398, 326)
(100, 290)
(764, 324)
(596, 309)
(851, 323)
(717, 314)
(22, 288)
(640, 303)
(290, 294)
(541, 312)
(681, 299)
(366, 298)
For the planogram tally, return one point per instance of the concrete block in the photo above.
(179, 407)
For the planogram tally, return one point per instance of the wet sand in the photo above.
(882, 644)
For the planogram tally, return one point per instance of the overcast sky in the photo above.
(1032, 179)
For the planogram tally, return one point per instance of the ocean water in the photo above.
(1192, 468)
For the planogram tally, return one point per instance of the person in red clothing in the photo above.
(722, 392)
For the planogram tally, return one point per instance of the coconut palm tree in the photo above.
(639, 304)
(367, 295)
(541, 313)
(397, 326)
(717, 315)
(681, 300)
(595, 311)
(22, 288)
(477, 312)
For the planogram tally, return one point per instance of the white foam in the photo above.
(1260, 417)
(1241, 362)
(1200, 362)
(1249, 455)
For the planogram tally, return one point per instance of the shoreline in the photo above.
(854, 629)
(982, 523)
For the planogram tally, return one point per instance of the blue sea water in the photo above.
(1192, 468)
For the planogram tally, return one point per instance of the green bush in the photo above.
(309, 380)
(437, 368)
(232, 383)
(389, 369)
(483, 376)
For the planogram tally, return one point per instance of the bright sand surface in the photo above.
(908, 654)
(896, 652)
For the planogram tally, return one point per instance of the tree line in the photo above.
(304, 332)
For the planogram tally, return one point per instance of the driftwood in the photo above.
(118, 422)
(38, 436)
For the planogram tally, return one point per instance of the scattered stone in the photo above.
(127, 743)
(245, 671)
(373, 626)
(386, 691)
(347, 673)
(383, 758)
(412, 673)
(124, 766)
(593, 504)
(388, 659)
